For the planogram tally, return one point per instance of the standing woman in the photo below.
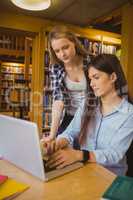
(69, 62)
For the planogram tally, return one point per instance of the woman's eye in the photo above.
(96, 77)
(66, 47)
(56, 51)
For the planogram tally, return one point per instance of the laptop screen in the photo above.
(19, 144)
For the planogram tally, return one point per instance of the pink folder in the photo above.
(3, 178)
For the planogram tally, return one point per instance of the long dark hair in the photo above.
(107, 63)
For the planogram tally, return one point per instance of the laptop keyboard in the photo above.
(47, 169)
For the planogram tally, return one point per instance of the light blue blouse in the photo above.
(108, 137)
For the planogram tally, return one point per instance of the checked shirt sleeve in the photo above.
(56, 78)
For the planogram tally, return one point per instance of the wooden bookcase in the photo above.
(15, 74)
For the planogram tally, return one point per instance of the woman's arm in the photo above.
(118, 146)
(58, 99)
(57, 110)
(73, 129)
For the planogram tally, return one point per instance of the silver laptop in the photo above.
(19, 144)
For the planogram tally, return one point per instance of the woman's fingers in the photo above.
(52, 147)
(61, 158)
(55, 160)
(48, 147)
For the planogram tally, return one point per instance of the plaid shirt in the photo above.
(57, 75)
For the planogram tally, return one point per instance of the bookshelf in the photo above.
(47, 93)
(15, 73)
(94, 46)
(12, 45)
(14, 90)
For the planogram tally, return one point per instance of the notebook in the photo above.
(120, 189)
(11, 188)
(20, 145)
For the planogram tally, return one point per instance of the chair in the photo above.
(130, 160)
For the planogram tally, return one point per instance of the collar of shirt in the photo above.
(124, 107)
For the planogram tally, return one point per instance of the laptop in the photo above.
(20, 145)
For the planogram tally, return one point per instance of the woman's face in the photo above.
(101, 82)
(64, 49)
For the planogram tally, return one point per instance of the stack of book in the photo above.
(10, 188)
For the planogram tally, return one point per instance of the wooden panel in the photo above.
(127, 44)
(37, 79)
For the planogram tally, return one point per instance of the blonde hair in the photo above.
(62, 32)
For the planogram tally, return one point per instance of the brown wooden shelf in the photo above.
(14, 73)
(11, 52)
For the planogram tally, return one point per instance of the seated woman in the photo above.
(103, 124)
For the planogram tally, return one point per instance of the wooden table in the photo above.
(86, 183)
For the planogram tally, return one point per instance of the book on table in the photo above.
(120, 189)
(3, 178)
(10, 188)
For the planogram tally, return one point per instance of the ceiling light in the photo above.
(34, 5)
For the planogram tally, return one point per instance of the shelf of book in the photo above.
(14, 89)
(47, 104)
(95, 47)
